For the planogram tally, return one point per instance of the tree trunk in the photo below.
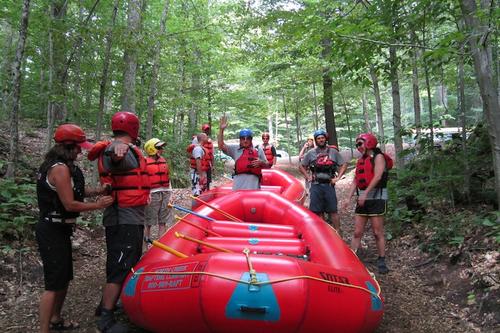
(396, 106)
(105, 69)
(417, 111)
(130, 55)
(289, 139)
(6, 68)
(463, 122)
(351, 144)
(378, 106)
(328, 94)
(481, 52)
(16, 84)
(154, 74)
(366, 116)
(315, 98)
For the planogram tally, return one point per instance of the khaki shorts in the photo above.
(158, 212)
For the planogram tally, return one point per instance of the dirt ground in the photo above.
(421, 294)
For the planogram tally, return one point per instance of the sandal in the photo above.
(63, 325)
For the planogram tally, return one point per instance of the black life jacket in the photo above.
(323, 167)
(49, 204)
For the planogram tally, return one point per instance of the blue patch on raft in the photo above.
(132, 284)
(376, 301)
(253, 227)
(253, 302)
(253, 241)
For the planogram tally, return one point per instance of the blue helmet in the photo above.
(246, 132)
(320, 132)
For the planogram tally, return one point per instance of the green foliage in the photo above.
(17, 207)
(426, 194)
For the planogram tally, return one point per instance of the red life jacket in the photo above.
(209, 152)
(268, 151)
(205, 163)
(365, 167)
(129, 188)
(158, 172)
(242, 164)
(323, 167)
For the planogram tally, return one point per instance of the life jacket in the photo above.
(158, 172)
(365, 167)
(205, 163)
(129, 188)
(209, 152)
(323, 167)
(268, 151)
(242, 164)
(49, 203)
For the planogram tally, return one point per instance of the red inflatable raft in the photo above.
(273, 180)
(282, 270)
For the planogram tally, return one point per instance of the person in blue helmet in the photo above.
(327, 166)
(249, 160)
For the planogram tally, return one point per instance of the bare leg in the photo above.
(60, 296)
(161, 229)
(47, 301)
(359, 230)
(110, 294)
(335, 218)
(378, 232)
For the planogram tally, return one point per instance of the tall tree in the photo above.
(16, 83)
(479, 23)
(130, 55)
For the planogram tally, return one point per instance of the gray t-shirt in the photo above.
(312, 154)
(114, 215)
(197, 152)
(244, 181)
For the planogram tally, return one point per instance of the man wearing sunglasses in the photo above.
(327, 166)
(249, 160)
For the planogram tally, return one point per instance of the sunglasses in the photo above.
(359, 144)
(249, 138)
(265, 137)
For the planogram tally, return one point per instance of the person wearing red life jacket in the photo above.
(199, 165)
(327, 167)
(249, 160)
(122, 167)
(269, 149)
(308, 145)
(60, 192)
(209, 156)
(370, 185)
(158, 212)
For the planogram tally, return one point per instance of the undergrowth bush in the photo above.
(429, 196)
(17, 208)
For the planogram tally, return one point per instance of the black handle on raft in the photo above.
(253, 309)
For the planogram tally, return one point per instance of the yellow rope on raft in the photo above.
(233, 218)
(305, 277)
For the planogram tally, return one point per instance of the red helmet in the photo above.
(205, 127)
(126, 122)
(369, 139)
(71, 134)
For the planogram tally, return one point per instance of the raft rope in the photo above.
(208, 232)
(253, 274)
(270, 282)
(229, 216)
(197, 241)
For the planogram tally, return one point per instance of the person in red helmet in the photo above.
(60, 192)
(123, 168)
(370, 184)
(327, 167)
(268, 148)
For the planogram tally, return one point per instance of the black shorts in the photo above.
(376, 207)
(124, 249)
(323, 198)
(54, 245)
